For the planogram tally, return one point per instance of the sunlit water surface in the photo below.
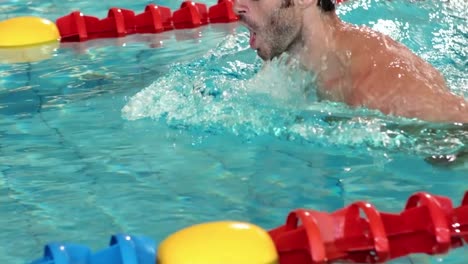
(151, 133)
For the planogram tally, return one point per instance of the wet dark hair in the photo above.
(286, 3)
(326, 5)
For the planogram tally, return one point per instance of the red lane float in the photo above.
(429, 224)
(223, 12)
(190, 15)
(358, 233)
(76, 27)
(155, 19)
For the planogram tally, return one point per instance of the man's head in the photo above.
(275, 25)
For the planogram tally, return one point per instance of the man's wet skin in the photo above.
(352, 64)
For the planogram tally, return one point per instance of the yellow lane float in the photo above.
(225, 242)
(27, 39)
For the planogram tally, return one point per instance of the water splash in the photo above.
(230, 89)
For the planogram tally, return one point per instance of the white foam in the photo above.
(230, 89)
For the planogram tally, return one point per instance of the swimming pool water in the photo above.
(149, 134)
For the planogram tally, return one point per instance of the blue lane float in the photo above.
(123, 249)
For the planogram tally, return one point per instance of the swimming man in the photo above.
(354, 65)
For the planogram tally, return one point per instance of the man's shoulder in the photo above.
(370, 47)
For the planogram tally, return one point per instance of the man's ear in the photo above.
(305, 3)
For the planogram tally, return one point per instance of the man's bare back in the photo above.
(354, 65)
(380, 73)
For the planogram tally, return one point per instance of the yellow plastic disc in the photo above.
(224, 242)
(24, 31)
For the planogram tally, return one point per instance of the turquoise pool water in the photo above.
(150, 134)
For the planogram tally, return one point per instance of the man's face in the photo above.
(274, 25)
